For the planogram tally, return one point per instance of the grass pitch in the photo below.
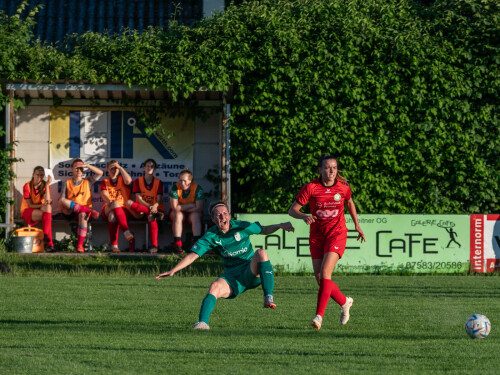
(139, 325)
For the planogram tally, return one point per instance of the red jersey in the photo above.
(326, 203)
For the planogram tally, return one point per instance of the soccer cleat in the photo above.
(317, 321)
(153, 250)
(344, 311)
(201, 325)
(131, 245)
(128, 235)
(178, 250)
(268, 302)
(80, 249)
(115, 249)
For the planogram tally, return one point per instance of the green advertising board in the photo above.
(394, 243)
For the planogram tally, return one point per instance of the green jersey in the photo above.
(234, 246)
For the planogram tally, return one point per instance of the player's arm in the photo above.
(351, 207)
(97, 173)
(48, 200)
(186, 261)
(294, 211)
(268, 229)
(141, 201)
(105, 196)
(126, 177)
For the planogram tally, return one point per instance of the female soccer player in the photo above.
(186, 202)
(76, 198)
(115, 192)
(326, 196)
(243, 268)
(36, 205)
(148, 194)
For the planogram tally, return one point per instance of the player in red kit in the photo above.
(327, 196)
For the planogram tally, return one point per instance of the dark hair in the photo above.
(152, 161)
(215, 204)
(77, 160)
(325, 157)
(111, 162)
(43, 183)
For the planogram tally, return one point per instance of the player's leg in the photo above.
(46, 212)
(261, 265)
(195, 219)
(81, 233)
(218, 289)
(177, 218)
(137, 210)
(121, 219)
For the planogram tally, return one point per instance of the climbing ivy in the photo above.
(404, 92)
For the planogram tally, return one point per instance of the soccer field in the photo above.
(139, 325)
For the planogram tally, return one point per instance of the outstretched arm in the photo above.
(268, 229)
(186, 261)
(352, 211)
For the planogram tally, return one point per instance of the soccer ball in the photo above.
(477, 326)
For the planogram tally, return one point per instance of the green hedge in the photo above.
(405, 94)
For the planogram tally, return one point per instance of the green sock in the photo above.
(267, 277)
(207, 307)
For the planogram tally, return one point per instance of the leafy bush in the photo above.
(405, 94)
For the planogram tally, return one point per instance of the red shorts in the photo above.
(27, 215)
(321, 243)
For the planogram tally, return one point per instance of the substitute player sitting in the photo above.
(148, 192)
(186, 204)
(115, 192)
(243, 268)
(37, 205)
(76, 198)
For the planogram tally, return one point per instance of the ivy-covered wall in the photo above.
(406, 94)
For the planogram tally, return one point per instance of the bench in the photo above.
(57, 219)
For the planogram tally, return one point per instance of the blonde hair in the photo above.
(188, 172)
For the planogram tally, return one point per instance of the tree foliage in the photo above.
(405, 94)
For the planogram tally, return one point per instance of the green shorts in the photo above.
(240, 278)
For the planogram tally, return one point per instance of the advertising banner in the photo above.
(406, 243)
(484, 243)
(100, 136)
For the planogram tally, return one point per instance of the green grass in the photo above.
(138, 325)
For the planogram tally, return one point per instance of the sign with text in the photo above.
(97, 137)
(484, 243)
(412, 243)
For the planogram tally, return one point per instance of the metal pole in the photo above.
(7, 141)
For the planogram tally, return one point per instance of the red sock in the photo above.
(113, 233)
(139, 208)
(47, 227)
(324, 292)
(81, 234)
(178, 243)
(153, 232)
(121, 218)
(337, 295)
(80, 208)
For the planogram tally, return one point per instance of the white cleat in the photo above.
(317, 321)
(201, 325)
(344, 311)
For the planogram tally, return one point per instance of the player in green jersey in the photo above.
(243, 268)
